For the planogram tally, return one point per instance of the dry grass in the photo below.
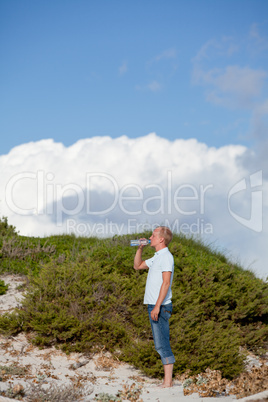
(14, 249)
(70, 393)
(131, 393)
(211, 383)
(41, 392)
(106, 362)
(13, 370)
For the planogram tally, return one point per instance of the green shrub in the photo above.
(3, 287)
(6, 230)
(93, 297)
(25, 255)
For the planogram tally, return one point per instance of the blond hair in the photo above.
(166, 233)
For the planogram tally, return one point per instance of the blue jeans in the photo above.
(160, 330)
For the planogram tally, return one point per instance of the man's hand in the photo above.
(142, 245)
(155, 313)
(138, 261)
(162, 294)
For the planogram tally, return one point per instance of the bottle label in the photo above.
(143, 242)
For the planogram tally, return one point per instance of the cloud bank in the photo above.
(103, 186)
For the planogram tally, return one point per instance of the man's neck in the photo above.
(160, 247)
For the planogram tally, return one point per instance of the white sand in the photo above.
(51, 366)
(47, 363)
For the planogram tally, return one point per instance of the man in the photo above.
(158, 295)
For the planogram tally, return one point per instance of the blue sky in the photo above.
(158, 99)
(78, 69)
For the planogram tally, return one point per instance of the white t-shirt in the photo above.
(162, 261)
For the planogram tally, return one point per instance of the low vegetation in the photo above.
(3, 287)
(38, 392)
(84, 294)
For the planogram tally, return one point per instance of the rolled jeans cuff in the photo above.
(168, 360)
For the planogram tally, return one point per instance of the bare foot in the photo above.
(165, 385)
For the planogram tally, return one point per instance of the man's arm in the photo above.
(138, 261)
(162, 294)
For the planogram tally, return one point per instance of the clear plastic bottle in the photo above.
(138, 242)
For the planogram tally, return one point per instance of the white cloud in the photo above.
(106, 186)
(162, 67)
(153, 86)
(226, 47)
(123, 68)
(226, 83)
(260, 42)
(166, 54)
(257, 158)
(232, 86)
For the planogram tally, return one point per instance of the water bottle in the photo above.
(142, 242)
